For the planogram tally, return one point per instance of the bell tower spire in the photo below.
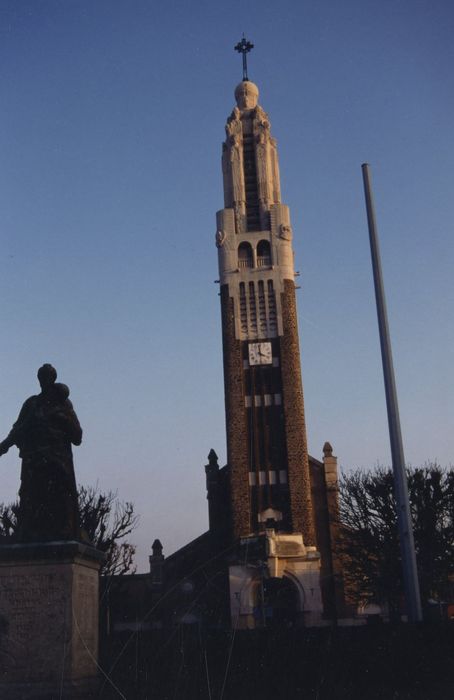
(266, 433)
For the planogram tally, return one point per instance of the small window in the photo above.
(263, 254)
(244, 255)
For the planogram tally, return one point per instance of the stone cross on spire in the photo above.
(244, 46)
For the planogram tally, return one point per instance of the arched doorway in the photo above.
(280, 602)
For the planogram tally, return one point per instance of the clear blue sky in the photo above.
(111, 126)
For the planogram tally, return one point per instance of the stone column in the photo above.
(49, 605)
(332, 500)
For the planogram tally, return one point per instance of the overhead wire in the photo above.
(166, 594)
(94, 659)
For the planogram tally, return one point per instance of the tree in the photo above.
(8, 520)
(369, 538)
(104, 520)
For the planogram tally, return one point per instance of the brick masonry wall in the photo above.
(236, 424)
(295, 425)
(332, 500)
(322, 530)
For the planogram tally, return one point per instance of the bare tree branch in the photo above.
(369, 536)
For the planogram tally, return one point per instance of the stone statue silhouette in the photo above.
(46, 428)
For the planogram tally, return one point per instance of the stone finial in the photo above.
(213, 459)
(246, 95)
(156, 548)
(327, 450)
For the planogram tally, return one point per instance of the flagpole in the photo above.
(407, 546)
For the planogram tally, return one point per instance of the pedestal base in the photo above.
(48, 620)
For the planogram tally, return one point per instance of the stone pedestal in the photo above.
(48, 620)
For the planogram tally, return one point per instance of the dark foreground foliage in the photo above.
(369, 663)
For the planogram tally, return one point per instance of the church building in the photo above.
(269, 556)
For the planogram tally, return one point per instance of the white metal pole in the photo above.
(410, 572)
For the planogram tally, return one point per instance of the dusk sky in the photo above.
(111, 123)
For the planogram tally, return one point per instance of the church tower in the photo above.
(266, 432)
(276, 511)
(271, 546)
(269, 557)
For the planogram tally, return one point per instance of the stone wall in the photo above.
(295, 425)
(236, 426)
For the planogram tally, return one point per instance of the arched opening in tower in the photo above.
(263, 254)
(245, 257)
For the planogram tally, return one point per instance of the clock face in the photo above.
(260, 354)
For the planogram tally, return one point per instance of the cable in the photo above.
(166, 594)
(106, 676)
(235, 626)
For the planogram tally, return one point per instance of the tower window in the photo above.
(245, 255)
(252, 309)
(263, 254)
(250, 182)
(262, 309)
(243, 308)
(272, 308)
